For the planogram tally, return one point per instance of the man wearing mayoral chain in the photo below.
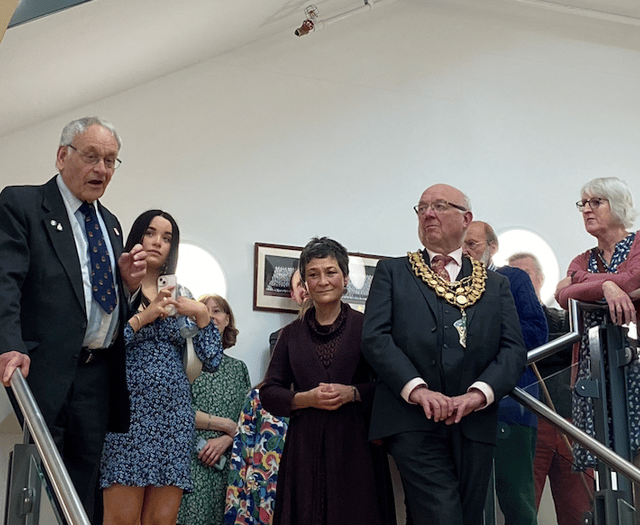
(443, 336)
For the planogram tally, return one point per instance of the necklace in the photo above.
(461, 293)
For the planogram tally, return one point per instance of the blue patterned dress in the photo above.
(157, 448)
(582, 409)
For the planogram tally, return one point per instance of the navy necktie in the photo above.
(102, 284)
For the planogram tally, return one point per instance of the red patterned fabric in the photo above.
(438, 264)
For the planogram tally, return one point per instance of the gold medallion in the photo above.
(462, 294)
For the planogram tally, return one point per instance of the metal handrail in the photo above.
(62, 485)
(604, 454)
(571, 337)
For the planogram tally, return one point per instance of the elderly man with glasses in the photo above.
(514, 454)
(443, 336)
(66, 287)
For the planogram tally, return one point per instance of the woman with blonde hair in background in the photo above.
(217, 399)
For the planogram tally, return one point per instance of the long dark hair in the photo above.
(139, 228)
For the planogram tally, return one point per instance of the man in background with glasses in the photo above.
(513, 458)
(65, 289)
(443, 336)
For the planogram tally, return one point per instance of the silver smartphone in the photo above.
(165, 281)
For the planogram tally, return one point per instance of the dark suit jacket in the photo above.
(42, 309)
(403, 339)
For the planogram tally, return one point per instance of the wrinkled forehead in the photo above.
(591, 194)
(442, 192)
(476, 232)
(97, 137)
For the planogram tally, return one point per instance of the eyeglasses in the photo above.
(437, 206)
(111, 163)
(593, 203)
(472, 245)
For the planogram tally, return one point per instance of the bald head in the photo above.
(529, 263)
(443, 231)
(481, 242)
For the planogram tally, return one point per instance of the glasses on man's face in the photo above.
(472, 245)
(438, 206)
(110, 162)
(594, 203)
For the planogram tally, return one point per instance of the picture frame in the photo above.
(275, 263)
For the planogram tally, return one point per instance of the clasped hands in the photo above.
(451, 410)
(327, 396)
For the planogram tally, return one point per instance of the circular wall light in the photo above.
(519, 240)
(199, 271)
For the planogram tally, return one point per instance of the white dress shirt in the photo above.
(101, 326)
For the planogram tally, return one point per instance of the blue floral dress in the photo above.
(157, 448)
(582, 407)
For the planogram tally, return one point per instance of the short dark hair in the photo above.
(139, 228)
(321, 248)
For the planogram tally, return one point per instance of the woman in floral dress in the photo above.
(217, 400)
(145, 471)
(257, 449)
(609, 274)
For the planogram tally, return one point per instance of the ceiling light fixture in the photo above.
(312, 24)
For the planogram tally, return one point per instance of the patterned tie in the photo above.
(101, 275)
(438, 264)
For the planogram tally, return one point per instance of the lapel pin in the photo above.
(59, 227)
(53, 223)
(116, 232)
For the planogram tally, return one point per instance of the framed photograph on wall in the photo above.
(361, 268)
(275, 263)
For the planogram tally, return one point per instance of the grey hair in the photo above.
(527, 255)
(76, 127)
(491, 234)
(617, 193)
(467, 202)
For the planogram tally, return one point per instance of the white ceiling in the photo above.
(86, 53)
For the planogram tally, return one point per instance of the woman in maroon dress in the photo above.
(326, 474)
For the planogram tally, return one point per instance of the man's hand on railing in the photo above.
(8, 363)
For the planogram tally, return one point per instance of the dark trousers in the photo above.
(80, 427)
(514, 474)
(445, 475)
